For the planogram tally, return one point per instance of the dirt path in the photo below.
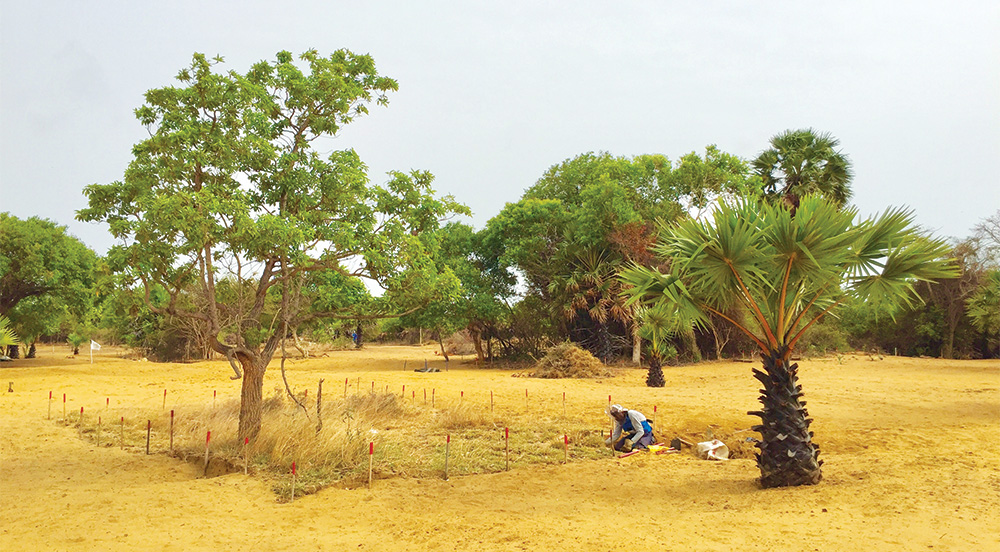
(911, 450)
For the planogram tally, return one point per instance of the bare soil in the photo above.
(911, 450)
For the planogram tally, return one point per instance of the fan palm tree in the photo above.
(803, 162)
(659, 325)
(788, 271)
(591, 288)
(7, 335)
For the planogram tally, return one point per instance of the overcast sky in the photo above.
(489, 97)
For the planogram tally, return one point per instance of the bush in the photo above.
(823, 339)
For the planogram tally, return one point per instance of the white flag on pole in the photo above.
(94, 346)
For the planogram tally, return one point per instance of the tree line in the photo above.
(240, 231)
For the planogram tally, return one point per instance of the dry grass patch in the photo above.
(567, 360)
(409, 439)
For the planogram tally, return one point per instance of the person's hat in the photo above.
(615, 408)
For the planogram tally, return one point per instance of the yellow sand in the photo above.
(912, 453)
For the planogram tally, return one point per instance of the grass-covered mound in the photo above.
(567, 360)
(409, 437)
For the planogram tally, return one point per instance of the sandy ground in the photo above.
(910, 445)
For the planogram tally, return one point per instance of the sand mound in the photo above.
(567, 360)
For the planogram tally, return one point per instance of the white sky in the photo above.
(492, 96)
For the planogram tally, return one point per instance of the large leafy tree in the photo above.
(232, 185)
(48, 278)
(787, 270)
(802, 162)
(38, 258)
(586, 216)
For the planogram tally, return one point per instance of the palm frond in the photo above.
(7, 335)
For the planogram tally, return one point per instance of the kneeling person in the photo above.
(632, 430)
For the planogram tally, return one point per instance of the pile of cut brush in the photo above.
(567, 360)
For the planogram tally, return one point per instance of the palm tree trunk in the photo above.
(654, 377)
(787, 455)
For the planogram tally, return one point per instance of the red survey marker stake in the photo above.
(447, 449)
(293, 480)
(566, 449)
(208, 439)
(506, 445)
(171, 432)
(50, 406)
(371, 455)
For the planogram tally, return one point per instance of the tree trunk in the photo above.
(444, 353)
(715, 339)
(251, 396)
(13, 352)
(477, 341)
(360, 341)
(787, 455)
(691, 344)
(654, 378)
(31, 351)
(636, 344)
(602, 342)
(295, 343)
(948, 349)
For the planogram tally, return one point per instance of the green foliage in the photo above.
(824, 338)
(984, 307)
(75, 340)
(803, 162)
(787, 270)
(233, 185)
(47, 277)
(7, 335)
(586, 217)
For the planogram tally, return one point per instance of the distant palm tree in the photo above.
(787, 271)
(803, 162)
(591, 289)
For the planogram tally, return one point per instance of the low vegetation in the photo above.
(568, 360)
